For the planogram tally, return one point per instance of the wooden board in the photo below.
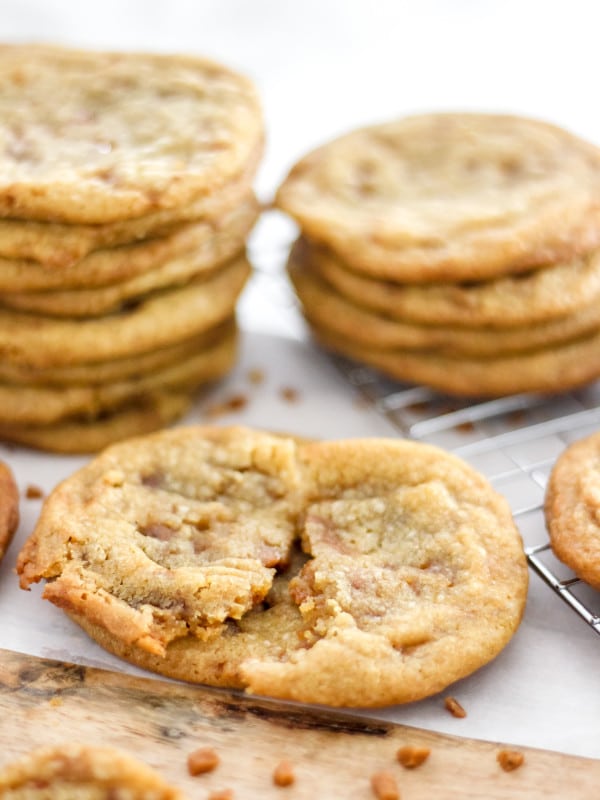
(334, 754)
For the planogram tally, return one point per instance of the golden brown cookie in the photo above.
(9, 507)
(82, 772)
(88, 434)
(200, 245)
(528, 298)
(176, 551)
(120, 369)
(324, 307)
(95, 301)
(547, 371)
(159, 320)
(44, 405)
(57, 245)
(573, 508)
(95, 137)
(449, 197)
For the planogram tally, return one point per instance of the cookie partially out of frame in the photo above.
(572, 508)
(94, 137)
(358, 572)
(76, 772)
(9, 507)
(449, 197)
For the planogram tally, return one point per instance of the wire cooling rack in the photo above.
(514, 441)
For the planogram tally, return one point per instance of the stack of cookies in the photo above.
(461, 251)
(125, 203)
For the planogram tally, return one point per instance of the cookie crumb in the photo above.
(33, 492)
(384, 786)
(454, 707)
(411, 756)
(283, 774)
(255, 376)
(221, 794)
(510, 759)
(205, 759)
(234, 403)
(55, 701)
(289, 394)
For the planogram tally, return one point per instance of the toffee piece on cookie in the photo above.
(353, 572)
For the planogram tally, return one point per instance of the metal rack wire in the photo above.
(513, 440)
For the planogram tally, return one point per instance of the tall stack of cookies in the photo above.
(461, 251)
(125, 204)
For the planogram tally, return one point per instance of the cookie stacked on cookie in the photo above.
(125, 204)
(461, 251)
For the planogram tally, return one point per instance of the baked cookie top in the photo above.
(90, 137)
(449, 196)
(572, 508)
(84, 772)
(174, 550)
(9, 507)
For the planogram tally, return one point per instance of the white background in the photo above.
(323, 66)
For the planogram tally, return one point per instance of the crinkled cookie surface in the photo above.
(357, 572)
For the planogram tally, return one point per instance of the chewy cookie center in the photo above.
(387, 563)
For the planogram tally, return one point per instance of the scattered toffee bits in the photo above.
(205, 759)
(289, 394)
(454, 707)
(234, 403)
(412, 757)
(222, 794)
(510, 759)
(255, 376)
(283, 774)
(33, 492)
(384, 786)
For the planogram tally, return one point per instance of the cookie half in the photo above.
(572, 508)
(359, 572)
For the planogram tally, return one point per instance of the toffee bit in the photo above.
(283, 775)
(255, 376)
(289, 394)
(454, 707)
(234, 403)
(205, 759)
(411, 756)
(33, 492)
(221, 794)
(55, 701)
(384, 786)
(510, 759)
